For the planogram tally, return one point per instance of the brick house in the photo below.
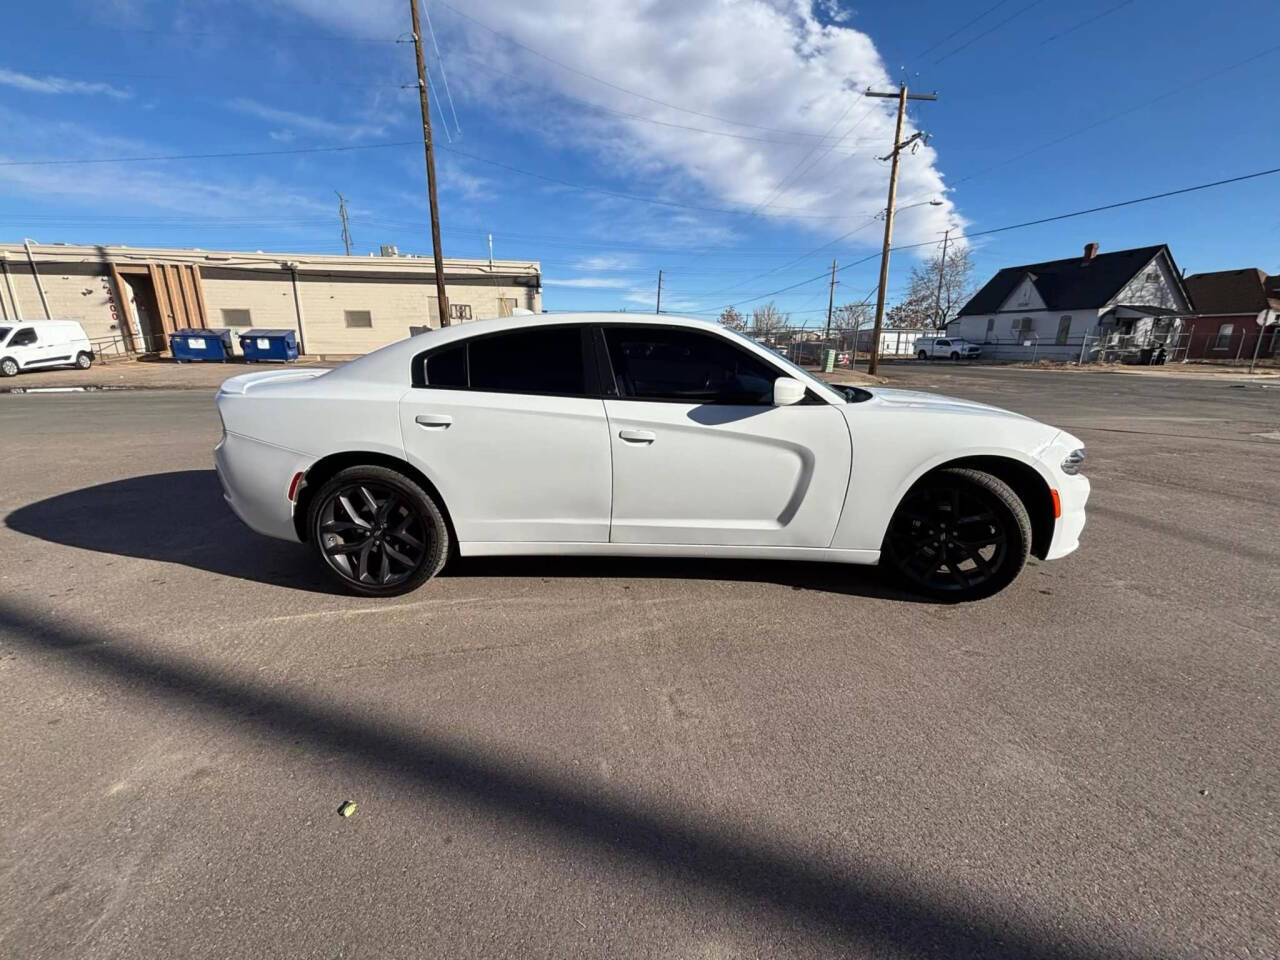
(1237, 315)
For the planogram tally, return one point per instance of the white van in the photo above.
(41, 344)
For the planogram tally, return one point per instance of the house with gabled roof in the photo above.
(1237, 315)
(1071, 309)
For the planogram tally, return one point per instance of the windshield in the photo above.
(804, 376)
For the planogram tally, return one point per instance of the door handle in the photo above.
(433, 421)
(638, 436)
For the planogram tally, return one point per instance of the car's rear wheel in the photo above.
(377, 531)
(923, 355)
(8, 367)
(955, 355)
(959, 534)
(84, 361)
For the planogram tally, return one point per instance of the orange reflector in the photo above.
(297, 481)
(1057, 504)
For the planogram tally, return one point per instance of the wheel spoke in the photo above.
(362, 569)
(402, 533)
(389, 551)
(385, 575)
(371, 503)
(341, 526)
(351, 511)
(340, 549)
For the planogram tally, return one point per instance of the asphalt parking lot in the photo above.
(641, 759)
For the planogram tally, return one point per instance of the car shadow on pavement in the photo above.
(177, 517)
(180, 517)
(874, 910)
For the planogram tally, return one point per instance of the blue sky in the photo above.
(726, 143)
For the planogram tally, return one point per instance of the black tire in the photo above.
(408, 540)
(923, 355)
(954, 355)
(84, 361)
(959, 535)
(8, 367)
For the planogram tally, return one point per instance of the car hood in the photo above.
(936, 402)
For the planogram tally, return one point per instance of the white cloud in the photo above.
(605, 263)
(767, 66)
(294, 122)
(57, 85)
(588, 283)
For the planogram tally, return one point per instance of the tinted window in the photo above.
(23, 338)
(540, 360)
(4, 332)
(448, 368)
(661, 363)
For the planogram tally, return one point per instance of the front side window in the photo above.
(23, 338)
(944, 343)
(540, 360)
(662, 363)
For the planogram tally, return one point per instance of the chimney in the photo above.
(1090, 251)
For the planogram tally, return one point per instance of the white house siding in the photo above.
(1155, 286)
(1004, 342)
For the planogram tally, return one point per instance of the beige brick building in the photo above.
(130, 298)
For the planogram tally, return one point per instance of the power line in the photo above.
(444, 76)
(959, 30)
(986, 33)
(237, 154)
(1173, 91)
(1084, 23)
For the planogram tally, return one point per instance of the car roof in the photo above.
(391, 362)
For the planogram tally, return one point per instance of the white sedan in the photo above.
(617, 435)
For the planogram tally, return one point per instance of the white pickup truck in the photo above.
(952, 348)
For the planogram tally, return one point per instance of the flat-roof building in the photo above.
(130, 298)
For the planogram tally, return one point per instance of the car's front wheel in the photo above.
(959, 534)
(377, 531)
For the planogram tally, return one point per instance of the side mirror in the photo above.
(786, 391)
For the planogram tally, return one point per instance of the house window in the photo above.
(236, 317)
(459, 311)
(1023, 326)
(991, 326)
(358, 318)
(506, 306)
(1223, 339)
(1064, 330)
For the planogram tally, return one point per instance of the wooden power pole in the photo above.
(831, 302)
(441, 296)
(342, 214)
(658, 307)
(902, 97)
(942, 272)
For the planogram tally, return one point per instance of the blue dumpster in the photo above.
(279, 345)
(193, 344)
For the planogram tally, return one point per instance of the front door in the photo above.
(702, 456)
(508, 430)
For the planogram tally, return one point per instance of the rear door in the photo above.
(702, 456)
(511, 429)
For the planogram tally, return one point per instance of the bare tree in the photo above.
(923, 306)
(768, 320)
(732, 319)
(849, 318)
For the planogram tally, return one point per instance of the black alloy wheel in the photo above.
(959, 534)
(377, 531)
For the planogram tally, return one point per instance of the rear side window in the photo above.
(541, 360)
(685, 366)
(448, 368)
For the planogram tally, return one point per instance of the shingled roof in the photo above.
(1232, 292)
(1077, 283)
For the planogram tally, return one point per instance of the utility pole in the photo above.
(942, 270)
(441, 296)
(658, 308)
(831, 302)
(342, 213)
(898, 145)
